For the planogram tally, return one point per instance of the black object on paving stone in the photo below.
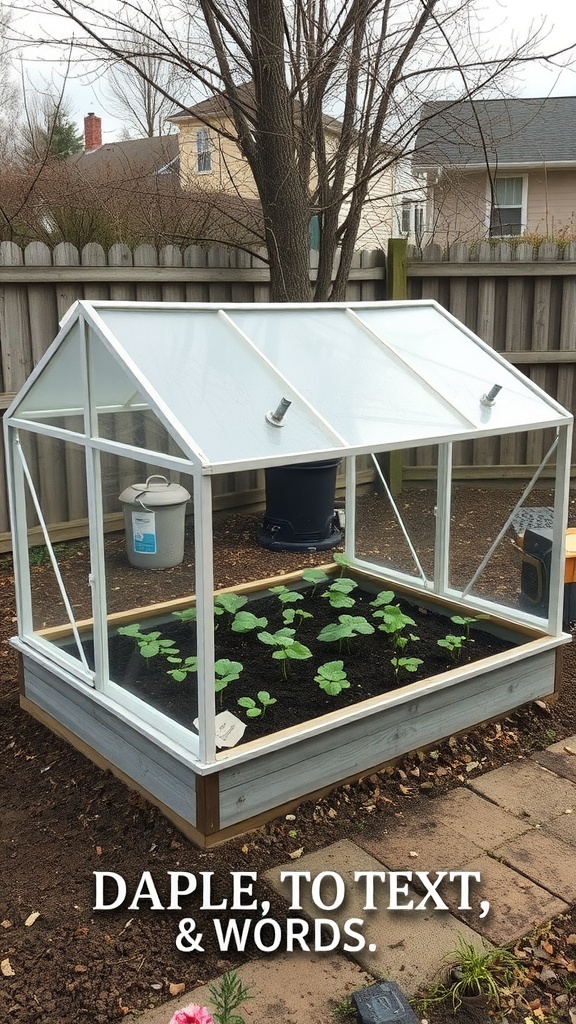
(383, 1003)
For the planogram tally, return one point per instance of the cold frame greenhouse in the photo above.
(139, 410)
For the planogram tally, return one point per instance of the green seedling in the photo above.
(288, 649)
(316, 577)
(383, 599)
(291, 616)
(332, 678)
(405, 664)
(188, 615)
(465, 620)
(401, 642)
(230, 603)
(394, 621)
(342, 561)
(225, 671)
(347, 627)
(252, 709)
(453, 644)
(338, 593)
(185, 666)
(244, 622)
(286, 596)
(149, 644)
(227, 996)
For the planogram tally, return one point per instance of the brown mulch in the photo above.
(62, 818)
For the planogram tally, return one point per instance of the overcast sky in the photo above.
(511, 18)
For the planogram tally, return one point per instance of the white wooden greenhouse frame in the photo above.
(362, 378)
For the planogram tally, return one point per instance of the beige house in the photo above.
(210, 158)
(498, 168)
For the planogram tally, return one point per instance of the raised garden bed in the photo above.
(375, 661)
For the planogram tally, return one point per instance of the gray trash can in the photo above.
(154, 523)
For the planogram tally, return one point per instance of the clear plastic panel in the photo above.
(395, 528)
(501, 533)
(59, 389)
(150, 587)
(215, 385)
(458, 368)
(357, 384)
(59, 572)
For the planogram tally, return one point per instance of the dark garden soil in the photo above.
(61, 817)
(366, 659)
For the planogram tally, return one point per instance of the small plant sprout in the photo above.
(288, 649)
(384, 598)
(316, 577)
(453, 644)
(149, 644)
(465, 620)
(394, 621)
(338, 593)
(184, 667)
(332, 678)
(405, 664)
(295, 616)
(230, 603)
(341, 560)
(244, 622)
(225, 671)
(252, 709)
(401, 642)
(347, 627)
(188, 615)
(286, 596)
(227, 996)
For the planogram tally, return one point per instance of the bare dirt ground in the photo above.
(61, 818)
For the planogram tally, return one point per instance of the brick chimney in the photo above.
(92, 132)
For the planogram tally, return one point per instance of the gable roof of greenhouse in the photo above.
(360, 377)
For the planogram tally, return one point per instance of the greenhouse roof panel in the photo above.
(215, 384)
(359, 377)
(459, 366)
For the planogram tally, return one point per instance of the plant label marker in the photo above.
(229, 729)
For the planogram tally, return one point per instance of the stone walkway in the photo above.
(515, 826)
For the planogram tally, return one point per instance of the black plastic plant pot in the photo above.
(299, 512)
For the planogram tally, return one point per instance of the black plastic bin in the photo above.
(300, 512)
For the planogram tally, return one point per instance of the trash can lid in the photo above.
(155, 492)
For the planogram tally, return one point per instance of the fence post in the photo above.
(396, 269)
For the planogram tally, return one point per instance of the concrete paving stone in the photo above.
(564, 827)
(285, 989)
(477, 819)
(516, 904)
(408, 946)
(545, 859)
(423, 845)
(560, 758)
(527, 790)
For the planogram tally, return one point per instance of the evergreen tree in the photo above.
(59, 137)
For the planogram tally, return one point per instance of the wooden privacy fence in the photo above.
(522, 301)
(38, 285)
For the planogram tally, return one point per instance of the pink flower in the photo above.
(193, 1014)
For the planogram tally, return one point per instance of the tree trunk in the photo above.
(283, 193)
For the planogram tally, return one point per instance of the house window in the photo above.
(506, 215)
(203, 153)
(412, 219)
